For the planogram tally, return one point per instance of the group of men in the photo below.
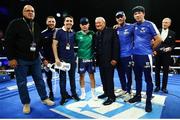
(137, 43)
(126, 47)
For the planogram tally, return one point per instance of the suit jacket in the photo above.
(106, 47)
(169, 41)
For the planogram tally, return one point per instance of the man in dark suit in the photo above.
(163, 55)
(107, 54)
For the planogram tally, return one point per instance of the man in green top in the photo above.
(85, 56)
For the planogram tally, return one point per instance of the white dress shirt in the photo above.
(164, 34)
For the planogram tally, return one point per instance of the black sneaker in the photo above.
(51, 96)
(63, 101)
(68, 96)
(165, 90)
(75, 97)
(156, 89)
(148, 107)
(136, 98)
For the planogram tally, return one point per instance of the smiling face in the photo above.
(121, 20)
(166, 23)
(139, 16)
(100, 23)
(68, 23)
(51, 22)
(28, 12)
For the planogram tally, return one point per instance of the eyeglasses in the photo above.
(119, 16)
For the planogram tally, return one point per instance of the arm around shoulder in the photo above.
(157, 41)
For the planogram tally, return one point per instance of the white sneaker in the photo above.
(26, 109)
(94, 97)
(120, 93)
(117, 90)
(82, 97)
(48, 102)
(127, 96)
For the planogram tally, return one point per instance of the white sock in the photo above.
(83, 91)
(92, 91)
(93, 94)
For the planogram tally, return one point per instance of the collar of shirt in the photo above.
(163, 30)
(66, 30)
(164, 34)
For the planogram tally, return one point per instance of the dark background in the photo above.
(156, 10)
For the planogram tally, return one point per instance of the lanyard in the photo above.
(67, 37)
(31, 28)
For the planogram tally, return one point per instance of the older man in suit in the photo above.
(163, 54)
(107, 54)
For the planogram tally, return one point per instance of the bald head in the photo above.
(166, 23)
(28, 12)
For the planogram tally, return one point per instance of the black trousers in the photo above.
(162, 59)
(124, 69)
(49, 79)
(63, 80)
(143, 65)
(107, 75)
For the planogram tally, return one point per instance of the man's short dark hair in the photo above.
(50, 17)
(68, 16)
(138, 9)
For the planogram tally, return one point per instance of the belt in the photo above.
(87, 60)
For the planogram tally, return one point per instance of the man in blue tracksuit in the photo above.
(144, 32)
(124, 66)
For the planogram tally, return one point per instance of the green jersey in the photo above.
(84, 42)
